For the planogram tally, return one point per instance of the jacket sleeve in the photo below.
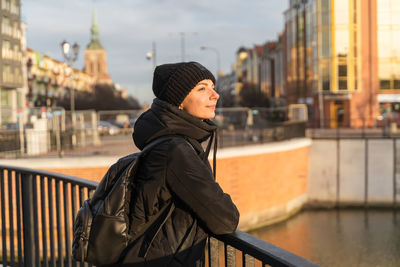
(193, 183)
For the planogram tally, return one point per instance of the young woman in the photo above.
(176, 200)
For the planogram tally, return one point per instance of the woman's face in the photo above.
(201, 101)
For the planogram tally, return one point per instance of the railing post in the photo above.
(27, 217)
(213, 253)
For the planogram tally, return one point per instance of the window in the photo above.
(6, 73)
(388, 44)
(325, 73)
(343, 84)
(5, 4)
(342, 69)
(6, 98)
(6, 52)
(325, 4)
(384, 84)
(6, 26)
(14, 7)
(396, 84)
(16, 53)
(16, 31)
(17, 75)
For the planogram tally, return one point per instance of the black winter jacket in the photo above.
(175, 176)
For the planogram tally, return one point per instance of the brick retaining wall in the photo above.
(267, 182)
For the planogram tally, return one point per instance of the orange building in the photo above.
(343, 60)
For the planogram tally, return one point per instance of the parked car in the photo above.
(107, 128)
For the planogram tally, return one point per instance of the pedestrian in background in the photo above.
(175, 186)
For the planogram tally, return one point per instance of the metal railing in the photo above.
(271, 132)
(354, 129)
(38, 210)
(237, 127)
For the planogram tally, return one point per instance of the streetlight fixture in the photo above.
(152, 55)
(217, 54)
(71, 56)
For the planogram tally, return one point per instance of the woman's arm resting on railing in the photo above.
(194, 184)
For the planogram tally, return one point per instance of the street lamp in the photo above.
(71, 56)
(217, 54)
(152, 55)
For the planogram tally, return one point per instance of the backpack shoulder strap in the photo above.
(153, 143)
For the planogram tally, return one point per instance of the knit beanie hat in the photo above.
(173, 82)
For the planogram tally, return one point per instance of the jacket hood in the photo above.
(165, 119)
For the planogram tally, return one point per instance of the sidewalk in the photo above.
(120, 145)
(111, 149)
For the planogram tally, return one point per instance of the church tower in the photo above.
(96, 56)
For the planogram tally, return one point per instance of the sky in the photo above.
(128, 29)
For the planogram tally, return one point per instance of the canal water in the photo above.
(343, 237)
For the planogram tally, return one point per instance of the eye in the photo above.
(201, 89)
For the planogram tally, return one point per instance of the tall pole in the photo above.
(182, 41)
(154, 55)
(1, 110)
(182, 46)
(71, 56)
(321, 109)
(72, 104)
(217, 57)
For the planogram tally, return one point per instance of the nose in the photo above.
(214, 94)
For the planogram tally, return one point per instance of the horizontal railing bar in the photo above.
(353, 137)
(55, 175)
(263, 251)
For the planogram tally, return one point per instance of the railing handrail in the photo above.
(263, 251)
(249, 245)
(57, 176)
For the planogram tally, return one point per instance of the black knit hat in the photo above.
(173, 82)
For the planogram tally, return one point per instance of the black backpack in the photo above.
(101, 227)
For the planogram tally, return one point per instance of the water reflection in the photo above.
(347, 237)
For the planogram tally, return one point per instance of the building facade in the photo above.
(226, 88)
(388, 58)
(50, 80)
(299, 46)
(272, 73)
(343, 60)
(12, 91)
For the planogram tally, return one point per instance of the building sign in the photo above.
(307, 100)
(337, 97)
(388, 98)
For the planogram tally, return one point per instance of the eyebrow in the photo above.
(205, 84)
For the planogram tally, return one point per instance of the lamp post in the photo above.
(71, 56)
(152, 55)
(217, 54)
(182, 35)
